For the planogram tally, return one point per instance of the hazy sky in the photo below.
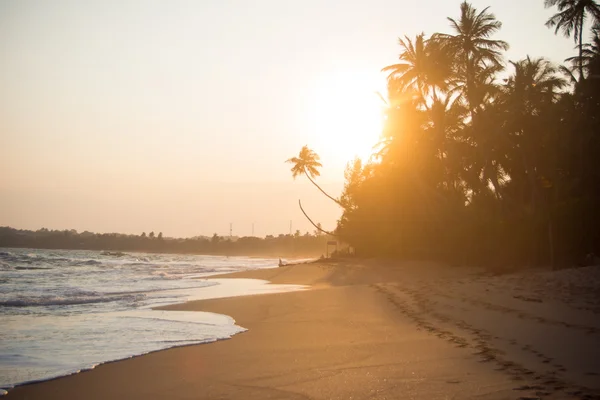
(176, 116)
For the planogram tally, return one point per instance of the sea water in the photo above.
(64, 311)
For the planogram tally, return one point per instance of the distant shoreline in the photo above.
(289, 246)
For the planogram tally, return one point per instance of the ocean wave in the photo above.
(83, 297)
(31, 258)
(113, 253)
(148, 291)
(5, 266)
(91, 293)
(66, 301)
(88, 262)
(179, 275)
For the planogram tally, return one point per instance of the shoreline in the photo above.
(83, 370)
(364, 330)
(220, 288)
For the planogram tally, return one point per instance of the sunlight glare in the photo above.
(347, 115)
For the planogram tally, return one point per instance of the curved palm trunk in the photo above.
(311, 221)
(322, 191)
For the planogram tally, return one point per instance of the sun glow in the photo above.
(347, 115)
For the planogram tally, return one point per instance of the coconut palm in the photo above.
(445, 120)
(307, 163)
(472, 46)
(529, 92)
(534, 83)
(478, 59)
(480, 90)
(424, 67)
(533, 87)
(589, 57)
(570, 19)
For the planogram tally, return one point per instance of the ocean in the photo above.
(66, 311)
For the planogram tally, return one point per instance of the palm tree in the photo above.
(479, 91)
(478, 59)
(534, 83)
(472, 46)
(445, 120)
(533, 87)
(425, 67)
(570, 19)
(307, 163)
(589, 56)
(529, 93)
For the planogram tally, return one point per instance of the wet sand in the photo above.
(375, 330)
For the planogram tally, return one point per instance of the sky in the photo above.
(177, 116)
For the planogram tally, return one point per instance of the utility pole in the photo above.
(230, 229)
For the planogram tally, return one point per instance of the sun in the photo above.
(347, 115)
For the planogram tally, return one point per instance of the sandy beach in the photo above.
(376, 330)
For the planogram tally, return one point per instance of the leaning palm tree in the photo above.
(307, 163)
(570, 19)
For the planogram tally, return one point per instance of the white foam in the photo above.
(233, 287)
(78, 343)
(77, 314)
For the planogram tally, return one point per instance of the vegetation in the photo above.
(571, 18)
(306, 245)
(483, 161)
(307, 163)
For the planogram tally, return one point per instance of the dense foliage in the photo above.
(482, 160)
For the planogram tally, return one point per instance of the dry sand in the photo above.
(376, 331)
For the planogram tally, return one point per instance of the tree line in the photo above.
(482, 160)
(309, 245)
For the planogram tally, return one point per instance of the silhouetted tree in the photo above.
(424, 67)
(307, 163)
(475, 166)
(570, 19)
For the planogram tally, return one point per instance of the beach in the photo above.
(376, 330)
